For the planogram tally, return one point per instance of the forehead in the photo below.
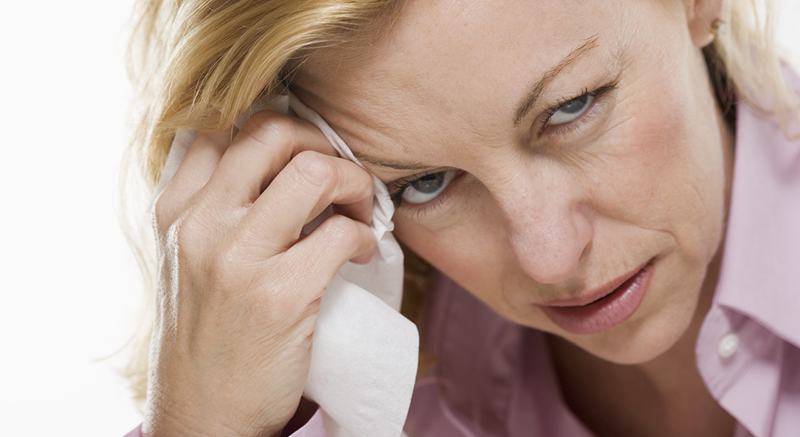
(448, 67)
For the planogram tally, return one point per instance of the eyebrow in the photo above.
(397, 165)
(536, 91)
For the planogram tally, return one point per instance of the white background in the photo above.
(69, 286)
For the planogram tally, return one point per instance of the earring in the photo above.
(719, 27)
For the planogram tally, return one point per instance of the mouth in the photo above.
(603, 308)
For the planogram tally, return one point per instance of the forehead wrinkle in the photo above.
(384, 119)
(355, 111)
(370, 138)
(388, 132)
(370, 112)
(376, 127)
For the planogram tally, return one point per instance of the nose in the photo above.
(549, 226)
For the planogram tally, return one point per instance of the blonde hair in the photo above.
(199, 63)
(744, 63)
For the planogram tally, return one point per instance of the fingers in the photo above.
(337, 240)
(195, 170)
(301, 191)
(281, 169)
(203, 157)
(264, 145)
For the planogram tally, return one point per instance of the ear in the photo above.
(701, 14)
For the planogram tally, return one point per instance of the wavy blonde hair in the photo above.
(199, 63)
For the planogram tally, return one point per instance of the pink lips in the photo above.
(603, 308)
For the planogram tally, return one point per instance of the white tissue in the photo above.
(364, 353)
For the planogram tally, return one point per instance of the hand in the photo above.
(239, 288)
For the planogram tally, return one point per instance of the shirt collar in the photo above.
(760, 275)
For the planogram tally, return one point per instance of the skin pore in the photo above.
(541, 205)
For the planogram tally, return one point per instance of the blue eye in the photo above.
(428, 187)
(571, 110)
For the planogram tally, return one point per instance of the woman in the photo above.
(597, 208)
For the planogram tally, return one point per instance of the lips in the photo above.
(603, 308)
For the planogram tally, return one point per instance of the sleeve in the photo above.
(312, 428)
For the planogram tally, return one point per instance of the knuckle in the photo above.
(269, 128)
(312, 168)
(365, 183)
(221, 262)
(178, 241)
(184, 234)
(342, 234)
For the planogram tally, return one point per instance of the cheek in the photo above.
(669, 146)
(471, 248)
(455, 243)
(667, 172)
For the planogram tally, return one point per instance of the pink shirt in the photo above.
(494, 378)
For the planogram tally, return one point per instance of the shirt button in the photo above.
(728, 345)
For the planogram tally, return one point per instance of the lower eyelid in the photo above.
(423, 209)
(600, 101)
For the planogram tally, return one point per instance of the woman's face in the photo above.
(566, 144)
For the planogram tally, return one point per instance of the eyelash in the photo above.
(549, 112)
(396, 194)
(403, 183)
